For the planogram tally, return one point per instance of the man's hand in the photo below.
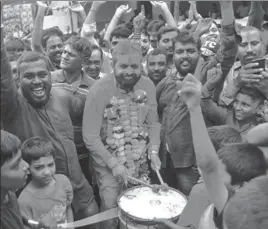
(249, 75)
(123, 9)
(139, 20)
(191, 92)
(155, 161)
(214, 75)
(160, 4)
(120, 172)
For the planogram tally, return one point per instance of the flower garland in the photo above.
(126, 137)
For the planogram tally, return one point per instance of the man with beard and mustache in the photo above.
(48, 42)
(176, 150)
(165, 36)
(245, 72)
(37, 109)
(71, 78)
(112, 125)
(157, 65)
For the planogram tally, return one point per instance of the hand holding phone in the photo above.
(261, 63)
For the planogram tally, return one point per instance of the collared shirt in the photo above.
(175, 120)
(78, 95)
(95, 125)
(224, 116)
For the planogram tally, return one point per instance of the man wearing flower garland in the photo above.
(120, 125)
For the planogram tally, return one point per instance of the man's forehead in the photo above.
(70, 49)
(170, 34)
(179, 45)
(158, 57)
(129, 59)
(250, 35)
(54, 40)
(39, 65)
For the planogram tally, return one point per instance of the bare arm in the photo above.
(256, 14)
(69, 214)
(118, 14)
(38, 27)
(206, 157)
(164, 8)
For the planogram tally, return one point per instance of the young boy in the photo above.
(48, 196)
(234, 165)
(14, 172)
(243, 115)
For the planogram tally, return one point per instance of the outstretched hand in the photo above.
(123, 9)
(139, 20)
(190, 92)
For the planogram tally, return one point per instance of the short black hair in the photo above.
(37, 147)
(10, 144)
(166, 29)
(185, 37)
(120, 31)
(243, 162)
(48, 33)
(80, 45)
(221, 135)
(157, 51)
(252, 92)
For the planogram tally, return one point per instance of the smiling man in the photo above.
(77, 54)
(40, 110)
(120, 123)
(176, 152)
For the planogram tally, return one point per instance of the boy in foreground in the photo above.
(48, 196)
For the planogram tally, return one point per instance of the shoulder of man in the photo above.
(102, 84)
(57, 76)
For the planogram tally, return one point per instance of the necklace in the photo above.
(127, 138)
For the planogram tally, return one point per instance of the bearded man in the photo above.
(120, 125)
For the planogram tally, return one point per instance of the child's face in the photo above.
(43, 170)
(245, 107)
(14, 173)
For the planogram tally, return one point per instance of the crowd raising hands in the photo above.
(87, 115)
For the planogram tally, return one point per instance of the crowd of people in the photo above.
(81, 113)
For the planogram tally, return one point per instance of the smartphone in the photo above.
(261, 63)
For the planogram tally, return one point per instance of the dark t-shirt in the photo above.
(10, 213)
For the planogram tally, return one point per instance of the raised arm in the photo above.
(206, 157)
(89, 25)
(210, 109)
(38, 28)
(118, 14)
(164, 8)
(256, 14)
(9, 92)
